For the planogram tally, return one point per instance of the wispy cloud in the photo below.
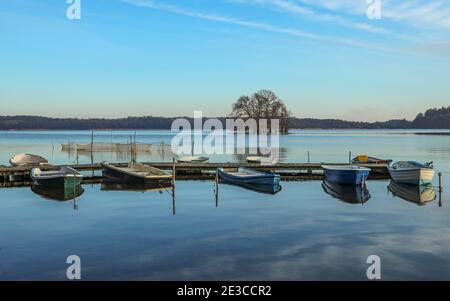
(428, 13)
(308, 11)
(251, 24)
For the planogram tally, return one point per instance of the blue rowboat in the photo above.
(250, 178)
(346, 174)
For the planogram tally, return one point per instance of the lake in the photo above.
(300, 233)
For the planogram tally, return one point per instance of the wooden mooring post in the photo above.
(309, 161)
(174, 173)
(440, 182)
(217, 188)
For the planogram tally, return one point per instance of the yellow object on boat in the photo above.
(362, 158)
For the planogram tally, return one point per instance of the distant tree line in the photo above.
(431, 119)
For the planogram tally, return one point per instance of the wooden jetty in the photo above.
(201, 171)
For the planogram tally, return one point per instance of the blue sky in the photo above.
(324, 58)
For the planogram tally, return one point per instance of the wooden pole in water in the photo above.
(131, 149)
(217, 188)
(92, 147)
(173, 201)
(440, 182)
(135, 148)
(174, 172)
(309, 161)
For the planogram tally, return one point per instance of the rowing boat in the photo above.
(413, 173)
(346, 174)
(364, 159)
(27, 160)
(135, 173)
(245, 177)
(66, 177)
(193, 159)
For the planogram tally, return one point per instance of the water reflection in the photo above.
(141, 187)
(59, 194)
(136, 187)
(347, 193)
(266, 189)
(419, 195)
(241, 154)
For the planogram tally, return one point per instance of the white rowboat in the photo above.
(27, 160)
(413, 173)
(193, 159)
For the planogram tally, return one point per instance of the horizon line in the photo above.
(203, 117)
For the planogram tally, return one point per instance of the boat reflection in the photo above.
(136, 187)
(347, 193)
(419, 195)
(141, 187)
(266, 189)
(61, 194)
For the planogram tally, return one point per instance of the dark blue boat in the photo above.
(250, 178)
(346, 174)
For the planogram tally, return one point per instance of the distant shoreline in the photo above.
(432, 119)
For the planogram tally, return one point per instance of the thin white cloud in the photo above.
(422, 13)
(296, 8)
(251, 24)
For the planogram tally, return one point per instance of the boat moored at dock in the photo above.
(193, 159)
(364, 159)
(260, 160)
(22, 160)
(66, 177)
(135, 173)
(250, 178)
(411, 172)
(346, 174)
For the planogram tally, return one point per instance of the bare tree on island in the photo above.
(263, 104)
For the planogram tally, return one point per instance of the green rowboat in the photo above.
(66, 177)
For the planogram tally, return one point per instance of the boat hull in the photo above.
(63, 182)
(112, 175)
(22, 160)
(419, 176)
(267, 182)
(346, 177)
(193, 159)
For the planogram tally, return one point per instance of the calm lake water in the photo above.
(301, 233)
